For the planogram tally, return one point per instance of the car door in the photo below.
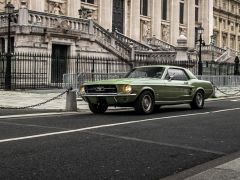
(177, 87)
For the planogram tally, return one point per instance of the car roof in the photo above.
(166, 66)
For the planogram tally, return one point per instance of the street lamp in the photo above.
(201, 42)
(9, 9)
(213, 38)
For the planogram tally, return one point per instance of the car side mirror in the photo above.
(171, 78)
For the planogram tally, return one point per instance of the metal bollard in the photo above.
(71, 101)
(214, 92)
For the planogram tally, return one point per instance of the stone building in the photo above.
(139, 20)
(227, 23)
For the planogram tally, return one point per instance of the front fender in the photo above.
(147, 88)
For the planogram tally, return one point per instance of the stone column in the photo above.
(174, 19)
(229, 37)
(37, 5)
(236, 43)
(191, 23)
(207, 19)
(135, 20)
(220, 32)
(105, 13)
(156, 18)
(23, 14)
(182, 48)
(73, 7)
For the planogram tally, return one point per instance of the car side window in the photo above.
(176, 74)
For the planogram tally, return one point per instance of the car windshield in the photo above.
(146, 72)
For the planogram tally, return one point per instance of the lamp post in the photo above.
(201, 42)
(213, 38)
(9, 9)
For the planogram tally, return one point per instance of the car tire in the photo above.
(99, 108)
(198, 100)
(145, 103)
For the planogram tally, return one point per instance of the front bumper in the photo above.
(110, 98)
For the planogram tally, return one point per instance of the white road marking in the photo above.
(96, 127)
(110, 125)
(159, 143)
(224, 110)
(32, 125)
(235, 100)
(37, 115)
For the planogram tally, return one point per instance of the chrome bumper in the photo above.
(106, 95)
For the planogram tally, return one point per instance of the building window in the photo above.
(2, 45)
(233, 9)
(144, 7)
(224, 5)
(181, 15)
(215, 21)
(197, 2)
(164, 9)
(196, 11)
(88, 1)
(224, 24)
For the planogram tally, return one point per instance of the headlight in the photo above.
(82, 89)
(127, 89)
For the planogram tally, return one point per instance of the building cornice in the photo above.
(226, 12)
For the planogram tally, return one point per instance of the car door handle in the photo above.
(185, 82)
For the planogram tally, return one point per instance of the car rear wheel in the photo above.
(99, 108)
(145, 103)
(198, 100)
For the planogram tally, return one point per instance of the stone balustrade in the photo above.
(47, 20)
(159, 44)
(211, 48)
(130, 42)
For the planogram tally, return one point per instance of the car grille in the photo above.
(101, 89)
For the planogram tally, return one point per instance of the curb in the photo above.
(189, 173)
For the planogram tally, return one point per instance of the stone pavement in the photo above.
(21, 98)
(226, 171)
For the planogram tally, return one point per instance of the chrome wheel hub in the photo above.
(199, 99)
(147, 103)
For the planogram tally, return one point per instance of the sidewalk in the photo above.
(20, 98)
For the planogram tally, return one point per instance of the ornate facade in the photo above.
(138, 19)
(227, 23)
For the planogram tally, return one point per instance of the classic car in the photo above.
(146, 88)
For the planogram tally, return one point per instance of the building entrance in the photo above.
(59, 62)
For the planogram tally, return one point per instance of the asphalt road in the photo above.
(118, 144)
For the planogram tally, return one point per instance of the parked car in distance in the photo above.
(146, 88)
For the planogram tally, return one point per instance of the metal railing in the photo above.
(222, 81)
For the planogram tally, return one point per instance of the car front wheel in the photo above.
(198, 100)
(99, 108)
(145, 103)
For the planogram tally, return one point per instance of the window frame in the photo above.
(144, 5)
(164, 10)
(167, 76)
(86, 1)
(181, 11)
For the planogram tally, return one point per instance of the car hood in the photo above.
(126, 81)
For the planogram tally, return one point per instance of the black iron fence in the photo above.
(34, 71)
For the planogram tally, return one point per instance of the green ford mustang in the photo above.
(146, 88)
